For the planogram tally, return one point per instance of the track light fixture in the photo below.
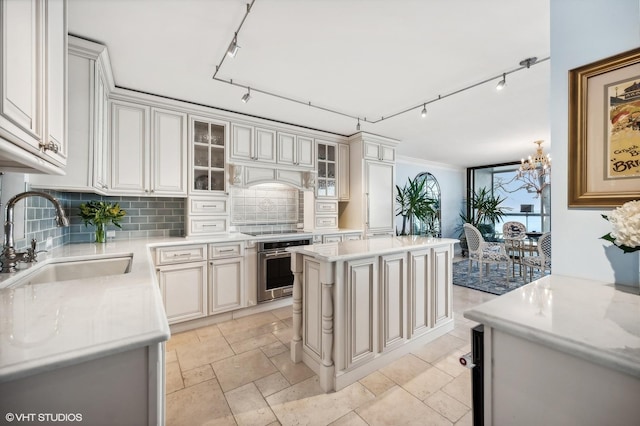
(502, 82)
(246, 96)
(423, 114)
(233, 47)
(358, 125)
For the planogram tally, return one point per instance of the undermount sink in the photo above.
(78, 269)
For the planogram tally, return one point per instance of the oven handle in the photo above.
(276, 253)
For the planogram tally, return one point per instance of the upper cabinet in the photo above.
(380, 152)
(208, 143)
(327, 168)
(295, 150)
(33, 111)
(343, 172)
(148, 150)
(250, 143)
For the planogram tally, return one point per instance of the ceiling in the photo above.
(364, 58)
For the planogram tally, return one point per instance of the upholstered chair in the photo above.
(482, 251)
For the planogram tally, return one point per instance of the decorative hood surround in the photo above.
(244, 176)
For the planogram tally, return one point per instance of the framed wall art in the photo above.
(604, 132)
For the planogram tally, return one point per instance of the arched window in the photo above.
(432, 190)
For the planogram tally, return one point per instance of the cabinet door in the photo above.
(361, 301)
(371, 151)
(129, 144)
(56, 79)
(343, 172)
(21, 113)
(184, 291)
(286, 149)
(419, 292)
(392, 301)
(380, 197)
(225, 283)
(242, 142)
(169, 153)
(100, 131)
(387, 153)
(305, 152)
(442, 276)
(265, 145)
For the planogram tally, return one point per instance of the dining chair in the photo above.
(514, 234)
(482, 251)
(542, 261)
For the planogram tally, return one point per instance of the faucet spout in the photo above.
(9, 257)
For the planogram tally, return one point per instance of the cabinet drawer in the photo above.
(317, 239)
(350, 237)
(332, 239)
(208, 225)
(209, 206)
(326, 207)
(181, 254)
(225, 250)
(327, 222)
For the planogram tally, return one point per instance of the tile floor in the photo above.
(240, 373)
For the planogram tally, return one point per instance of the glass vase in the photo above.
(101, 233)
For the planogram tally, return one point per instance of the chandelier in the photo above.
(535, 171)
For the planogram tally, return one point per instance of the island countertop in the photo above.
(354, 249)
(596, 321)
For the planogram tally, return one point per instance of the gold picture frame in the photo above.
(604, 132)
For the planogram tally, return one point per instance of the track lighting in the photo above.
(233, 47)
(246, 96)
(502, 82)
(358, 125)
(424, 111)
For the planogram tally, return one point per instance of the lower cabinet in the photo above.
(361, 310)
(226, 284)
(184, 290)
(393, 288)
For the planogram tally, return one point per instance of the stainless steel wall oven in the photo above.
(275, 278)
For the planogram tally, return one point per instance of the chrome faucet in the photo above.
(10, 257)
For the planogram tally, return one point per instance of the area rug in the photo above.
(497, 281)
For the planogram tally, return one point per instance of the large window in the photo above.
(522, 204)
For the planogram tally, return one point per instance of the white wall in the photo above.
(452, 182)
(583, 32)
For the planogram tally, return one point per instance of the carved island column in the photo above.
(327, 368)
(296, 342)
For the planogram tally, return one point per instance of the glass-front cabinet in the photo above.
(327, 168)
(209, 139)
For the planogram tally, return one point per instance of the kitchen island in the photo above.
(359, 305)
(561, 350)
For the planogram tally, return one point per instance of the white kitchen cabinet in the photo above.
(250, 143)
(361, 310)
(442, 279)
(101, 152)
(327, 180)
(33, 110)
(206, 214)
(343, 172)
(372, 188)
(295, 150)
(419, 279)
(226, 283)
(208, 142)
(148, 150)
(336, 238)
(380, 152)
(184, 290)
(393, 283)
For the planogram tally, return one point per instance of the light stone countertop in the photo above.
(51, 325)
(332, 252)
(596, 321)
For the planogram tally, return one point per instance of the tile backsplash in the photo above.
(274, 207)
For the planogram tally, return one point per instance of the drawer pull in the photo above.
(210, 205)
(226, 250)
(180, 254)
(210, 226)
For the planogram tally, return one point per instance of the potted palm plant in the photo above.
(483, 211)
(413, 203)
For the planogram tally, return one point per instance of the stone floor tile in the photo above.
(404, 369)
(466, 420)
(173, 377)
(239, 335)
(288, 321)
(196, 354)
(377, 383)
(170, 356)
(398, 407)
(446, 405)
(427, 383)
(432, 351)
(180, 339)
(284, 334)
(450, 363)
(241, 369)
(246, 323)
(294, 373)
(460, 388)
(283, 313)
(351, 419)
(201, 404)
(272, 384)
(274, 348)
(306, 404)
(205, 333)
(198, 375)
(253, 343)
(249, 407)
